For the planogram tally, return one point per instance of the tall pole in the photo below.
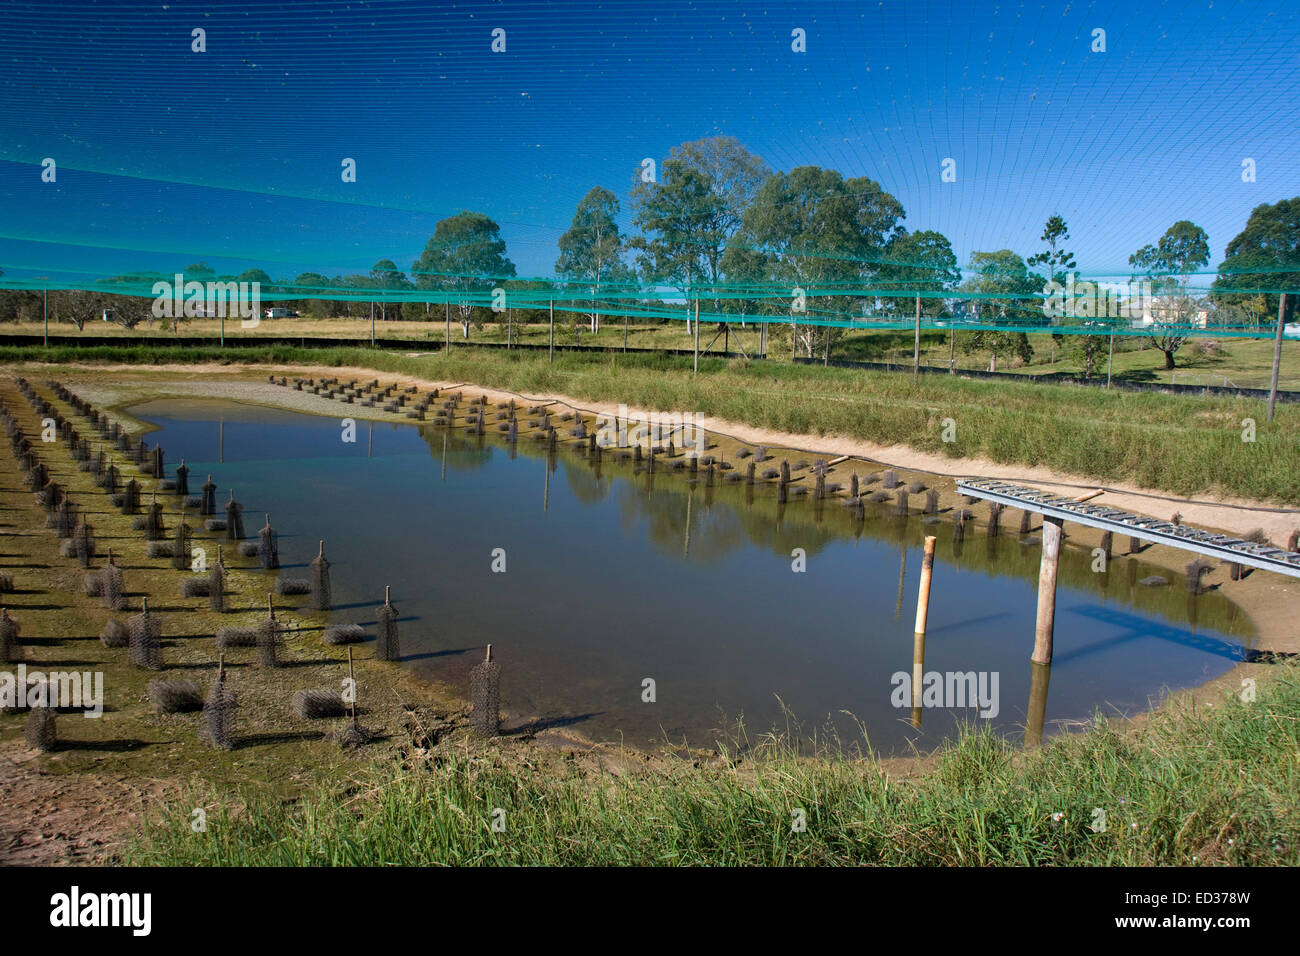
(447, 346)
(372, 324)
(45, 310)
(916, 343)
(1277, 354)
(1110, 360)
(697, 335)
(1047, 569)
(552, 353)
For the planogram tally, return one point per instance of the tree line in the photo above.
(717, 226)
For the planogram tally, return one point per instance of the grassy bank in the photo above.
(1214, 785)
(1177, 444)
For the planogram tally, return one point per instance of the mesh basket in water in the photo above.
(386, 644)
(320, 581)
(234, 519)
(268, 552)
(144, 649)
(485, 696)
(208, 494)
(182, 479)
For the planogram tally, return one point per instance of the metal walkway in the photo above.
(1266, 557)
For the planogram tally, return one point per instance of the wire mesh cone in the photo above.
(485, 696)
(208, 492)
(9, 652)
(268, 552)
(153, 526)
(234, 519)
(217, 585)
(144, 649)
(387, 647)
(131, 497)
(66, 518)
(111, 590)
(320, 581)
(181, 544)
(220, 708)
(41, 730)
(85, 544)
(182, 480)
(269, 638)
(157, 464)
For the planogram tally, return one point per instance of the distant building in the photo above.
(1165, 310)
(281, 314)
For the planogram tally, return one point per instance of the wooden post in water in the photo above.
(918, 636)
(1047, 570)
(1041, 675)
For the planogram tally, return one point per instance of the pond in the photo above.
(614, 578)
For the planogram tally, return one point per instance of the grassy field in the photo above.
(1180, 444)
(1245, 363)
(1215, 785)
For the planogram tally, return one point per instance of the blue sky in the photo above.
(166, 156)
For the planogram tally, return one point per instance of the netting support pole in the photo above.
(447, 345)
(697, 335)
(1277, 354)
(916, 343)
(1110, 360)
(552, 353)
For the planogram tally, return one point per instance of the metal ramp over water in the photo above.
(1266, 557)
